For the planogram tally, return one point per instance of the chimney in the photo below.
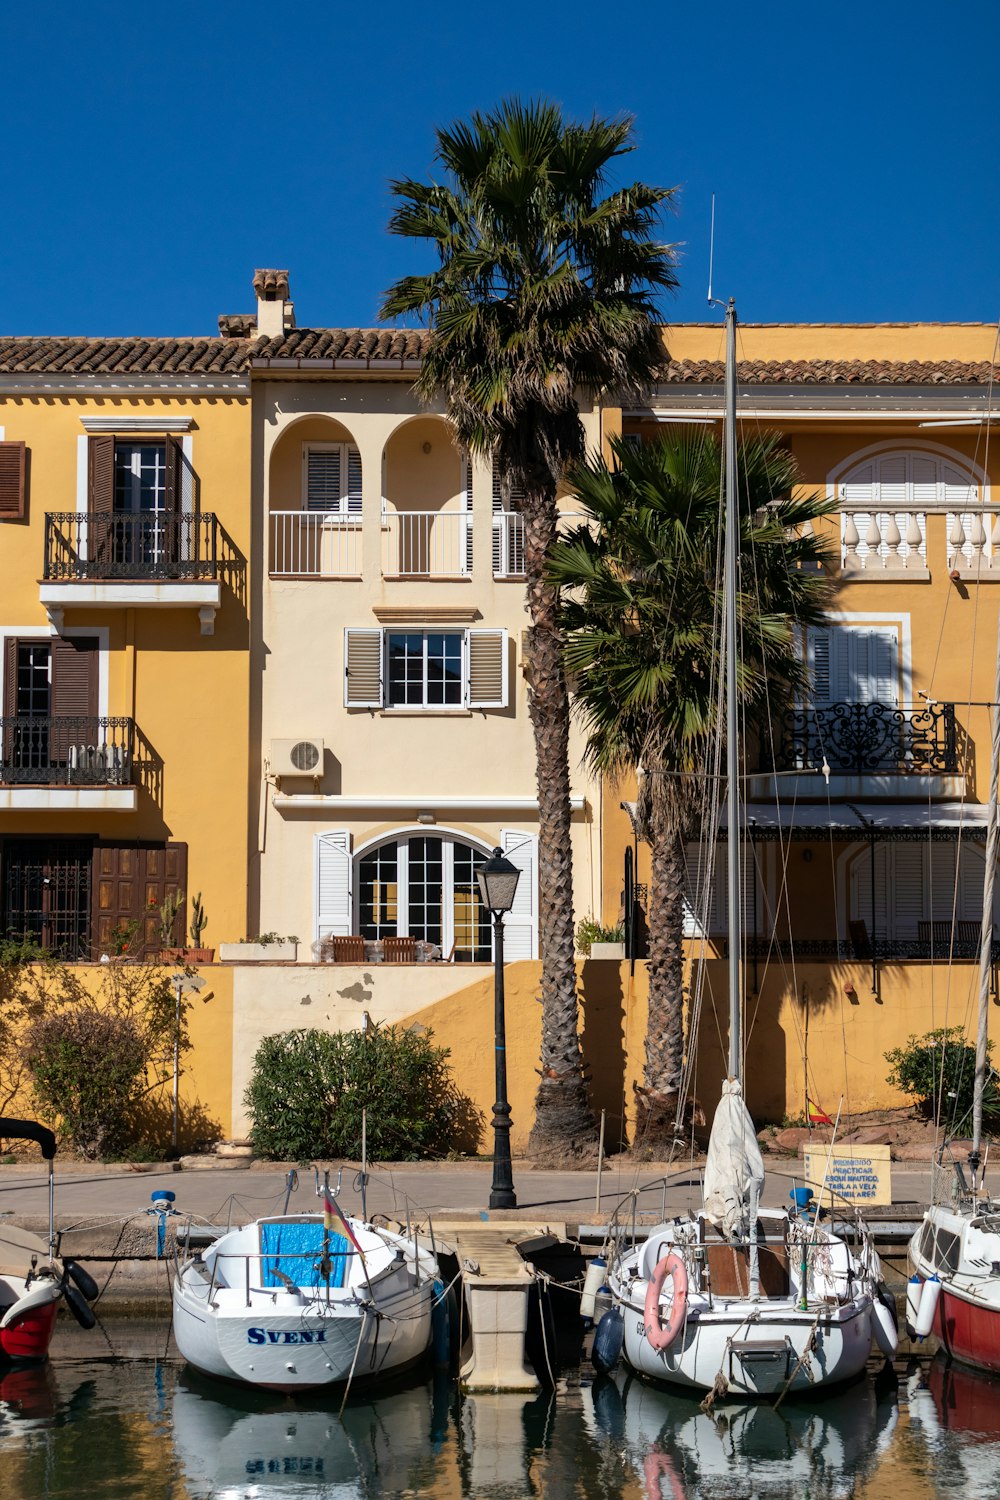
(275, 313)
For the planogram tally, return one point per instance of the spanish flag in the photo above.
(817, 1116)
(333, 1218)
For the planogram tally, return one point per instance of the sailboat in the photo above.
(955, 1254)
(736, 1299)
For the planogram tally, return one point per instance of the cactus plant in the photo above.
(199, 921)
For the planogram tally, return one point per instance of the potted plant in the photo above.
(266, 948)
(199, 921)
(595, 941)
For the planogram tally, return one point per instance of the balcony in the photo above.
(311, 544)
(74, 763)
(867, 739)
(896, 545)
(155, 560)
(426, 544)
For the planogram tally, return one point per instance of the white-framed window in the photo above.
(140, 478)
(425, 668)
(854, 664)
(887, 495)
(916, 883)
(331, 479)
(421, 883)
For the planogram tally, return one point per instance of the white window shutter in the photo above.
(861, 890)
(323, 478)
(362, 668)
(701, 890)
(520, 925)
(467, 513)
(334, 912)
(910, 887)
(487, 656)
(353, 481)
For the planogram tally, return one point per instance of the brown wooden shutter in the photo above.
(74, 677)
(131, 883)
(10, 676)
(116, 892)
(101, 475)
(13, 469)
(164, 874)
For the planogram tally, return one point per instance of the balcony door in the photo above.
(854, 722)
(49, 706)
(133, 506)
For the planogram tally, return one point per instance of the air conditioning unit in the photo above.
(301, 757)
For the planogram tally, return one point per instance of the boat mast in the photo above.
(732, 535)
(986, 931)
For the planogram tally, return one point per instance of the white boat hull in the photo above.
(760, 1350)
(299, 1339)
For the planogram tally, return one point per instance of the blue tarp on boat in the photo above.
(295, 1250)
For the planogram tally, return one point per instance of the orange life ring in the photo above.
(661, 1335)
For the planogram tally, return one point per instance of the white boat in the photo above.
(737, 1300)
(288, 1303)
(33, 1279)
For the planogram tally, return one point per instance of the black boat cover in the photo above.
(29, 1130)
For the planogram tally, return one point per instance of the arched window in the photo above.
(916, 884)
(886, 496)
(421, 883)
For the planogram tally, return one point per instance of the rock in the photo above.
(923, 1151)
(233, 1150)
(874, 1135)
(213, 1163)
(795, 1136)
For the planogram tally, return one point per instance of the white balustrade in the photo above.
(315, 544)
(974, 540)
(427, 544)
(882, 541)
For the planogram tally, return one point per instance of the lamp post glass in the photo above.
(497, 887)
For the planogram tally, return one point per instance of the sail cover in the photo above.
(734, 1171)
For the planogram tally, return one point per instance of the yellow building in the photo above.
(124, 547)
(865, 814)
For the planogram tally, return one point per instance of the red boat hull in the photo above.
(968, 1331)
(29, 1337)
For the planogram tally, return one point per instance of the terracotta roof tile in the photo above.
(830, 372)
(122, 356)
(272, 281)
(345, 343)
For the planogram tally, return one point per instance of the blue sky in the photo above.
(152, 157)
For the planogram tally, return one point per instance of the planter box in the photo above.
(187, 955)
(608, 950)
(258, 953)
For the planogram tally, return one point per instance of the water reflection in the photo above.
(955, 1413)
(822, 1450)
(129, 1425)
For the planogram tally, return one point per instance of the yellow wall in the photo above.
(188, 693)
(836, 341)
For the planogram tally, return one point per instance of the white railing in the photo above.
(508, 540)
(426, 544)
(896, 540)
(314, 544)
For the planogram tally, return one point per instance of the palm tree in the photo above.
(642, 611)
(543, 292)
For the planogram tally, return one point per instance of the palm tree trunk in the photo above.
(564, 1120)
(658, 1097)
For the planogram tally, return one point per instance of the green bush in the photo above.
(308, 1089)
(939, 1069)
(89, 1069)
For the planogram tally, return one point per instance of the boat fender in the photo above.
(83, 1280)
(884, 1321)
(913, 1290)
(592, 1283)
(928, 1306)
(440, 1327)
(608, 1341)
(661, 1335)
(79, 1307)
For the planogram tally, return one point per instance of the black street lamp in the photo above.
(497, 883)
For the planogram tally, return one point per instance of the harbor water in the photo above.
(116, 1415)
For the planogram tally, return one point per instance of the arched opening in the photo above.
(427, 503)
(926, 899)
(422, 884)
(886, 493)
(315, 501)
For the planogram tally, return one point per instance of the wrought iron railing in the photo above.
(867, 737)
(68, 751)
(897, 950)
(107, 547)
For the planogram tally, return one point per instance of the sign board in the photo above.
(857, 1174)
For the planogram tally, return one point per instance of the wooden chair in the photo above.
(945, 935)
(348, 950)
(399, 950)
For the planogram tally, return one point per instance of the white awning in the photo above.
(880, 820)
